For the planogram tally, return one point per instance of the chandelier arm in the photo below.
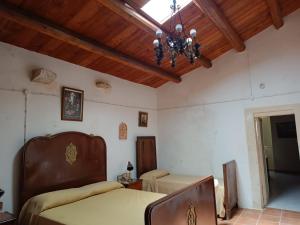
(170, 26)
(183, 27)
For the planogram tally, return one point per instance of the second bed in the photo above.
(161, 181)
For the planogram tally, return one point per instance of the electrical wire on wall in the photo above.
(26, 94)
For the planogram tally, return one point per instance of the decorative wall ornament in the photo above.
(71, 153)
(103, 84)
(123, 131)
(43, 76)
(143, 119)
(72, 104)
(191, 215)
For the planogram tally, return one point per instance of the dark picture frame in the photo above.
(143, 119)
(72, 104)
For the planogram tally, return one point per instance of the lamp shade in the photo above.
(129, 166)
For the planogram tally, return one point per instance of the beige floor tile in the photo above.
(250, 211)
(289, 223)
(251, 215)
(293, 221)
(225, 222)
(266, 217)
(246, 221)
(273, 212)
(270, 218)
(267, 223)
(290, 214)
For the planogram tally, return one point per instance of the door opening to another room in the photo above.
(280, 161)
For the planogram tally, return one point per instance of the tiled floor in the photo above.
(263, 217)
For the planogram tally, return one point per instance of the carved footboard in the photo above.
(194, 205)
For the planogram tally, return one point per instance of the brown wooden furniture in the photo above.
(73, 159)
(107, 36)
(135, 184)
(7, 218)
(230, 187)
(146, 161)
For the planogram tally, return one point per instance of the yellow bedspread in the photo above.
(115, 207)
(170, 183)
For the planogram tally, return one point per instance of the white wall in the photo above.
(201, 121)
(103, 110)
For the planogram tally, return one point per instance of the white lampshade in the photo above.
(159, 33)
(189, 41)
(156, 43)
(193, 33)
(178, 28)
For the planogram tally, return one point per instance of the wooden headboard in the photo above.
(62, 161)
(145, 155)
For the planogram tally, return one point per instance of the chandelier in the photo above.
(177, 42)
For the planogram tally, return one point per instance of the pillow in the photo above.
(154, 174)
(40, 203)
(100, 187)
(53, 199)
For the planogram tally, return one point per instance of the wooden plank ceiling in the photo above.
(109, 37)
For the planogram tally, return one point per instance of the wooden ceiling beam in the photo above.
(213, 12)
(38, 24)
(133, 14)
(275, 12)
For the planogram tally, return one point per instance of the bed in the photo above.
(162, 181)
(64, 181)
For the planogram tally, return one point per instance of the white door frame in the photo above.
(255, 165)
(262, 161)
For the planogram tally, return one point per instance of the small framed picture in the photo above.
(72, 104)
(143, 119)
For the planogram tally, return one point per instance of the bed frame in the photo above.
(74, 159)
(146, 161)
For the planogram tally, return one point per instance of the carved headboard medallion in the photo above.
(71, 153)
(191, 215)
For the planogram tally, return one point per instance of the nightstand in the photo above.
(134, 184)
(7, 218)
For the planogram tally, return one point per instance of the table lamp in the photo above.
(1, 193)
(1, 204)
(129, 169)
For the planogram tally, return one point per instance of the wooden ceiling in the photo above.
(110, 37)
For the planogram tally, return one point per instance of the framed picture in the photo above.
(72, 104)
(143, 119)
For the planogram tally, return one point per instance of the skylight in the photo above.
(160, 9)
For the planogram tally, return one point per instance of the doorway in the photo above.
(280, 161)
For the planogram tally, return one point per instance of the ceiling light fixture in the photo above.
(177, 42)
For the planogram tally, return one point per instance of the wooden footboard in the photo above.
(194, 205)
(230, 187)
